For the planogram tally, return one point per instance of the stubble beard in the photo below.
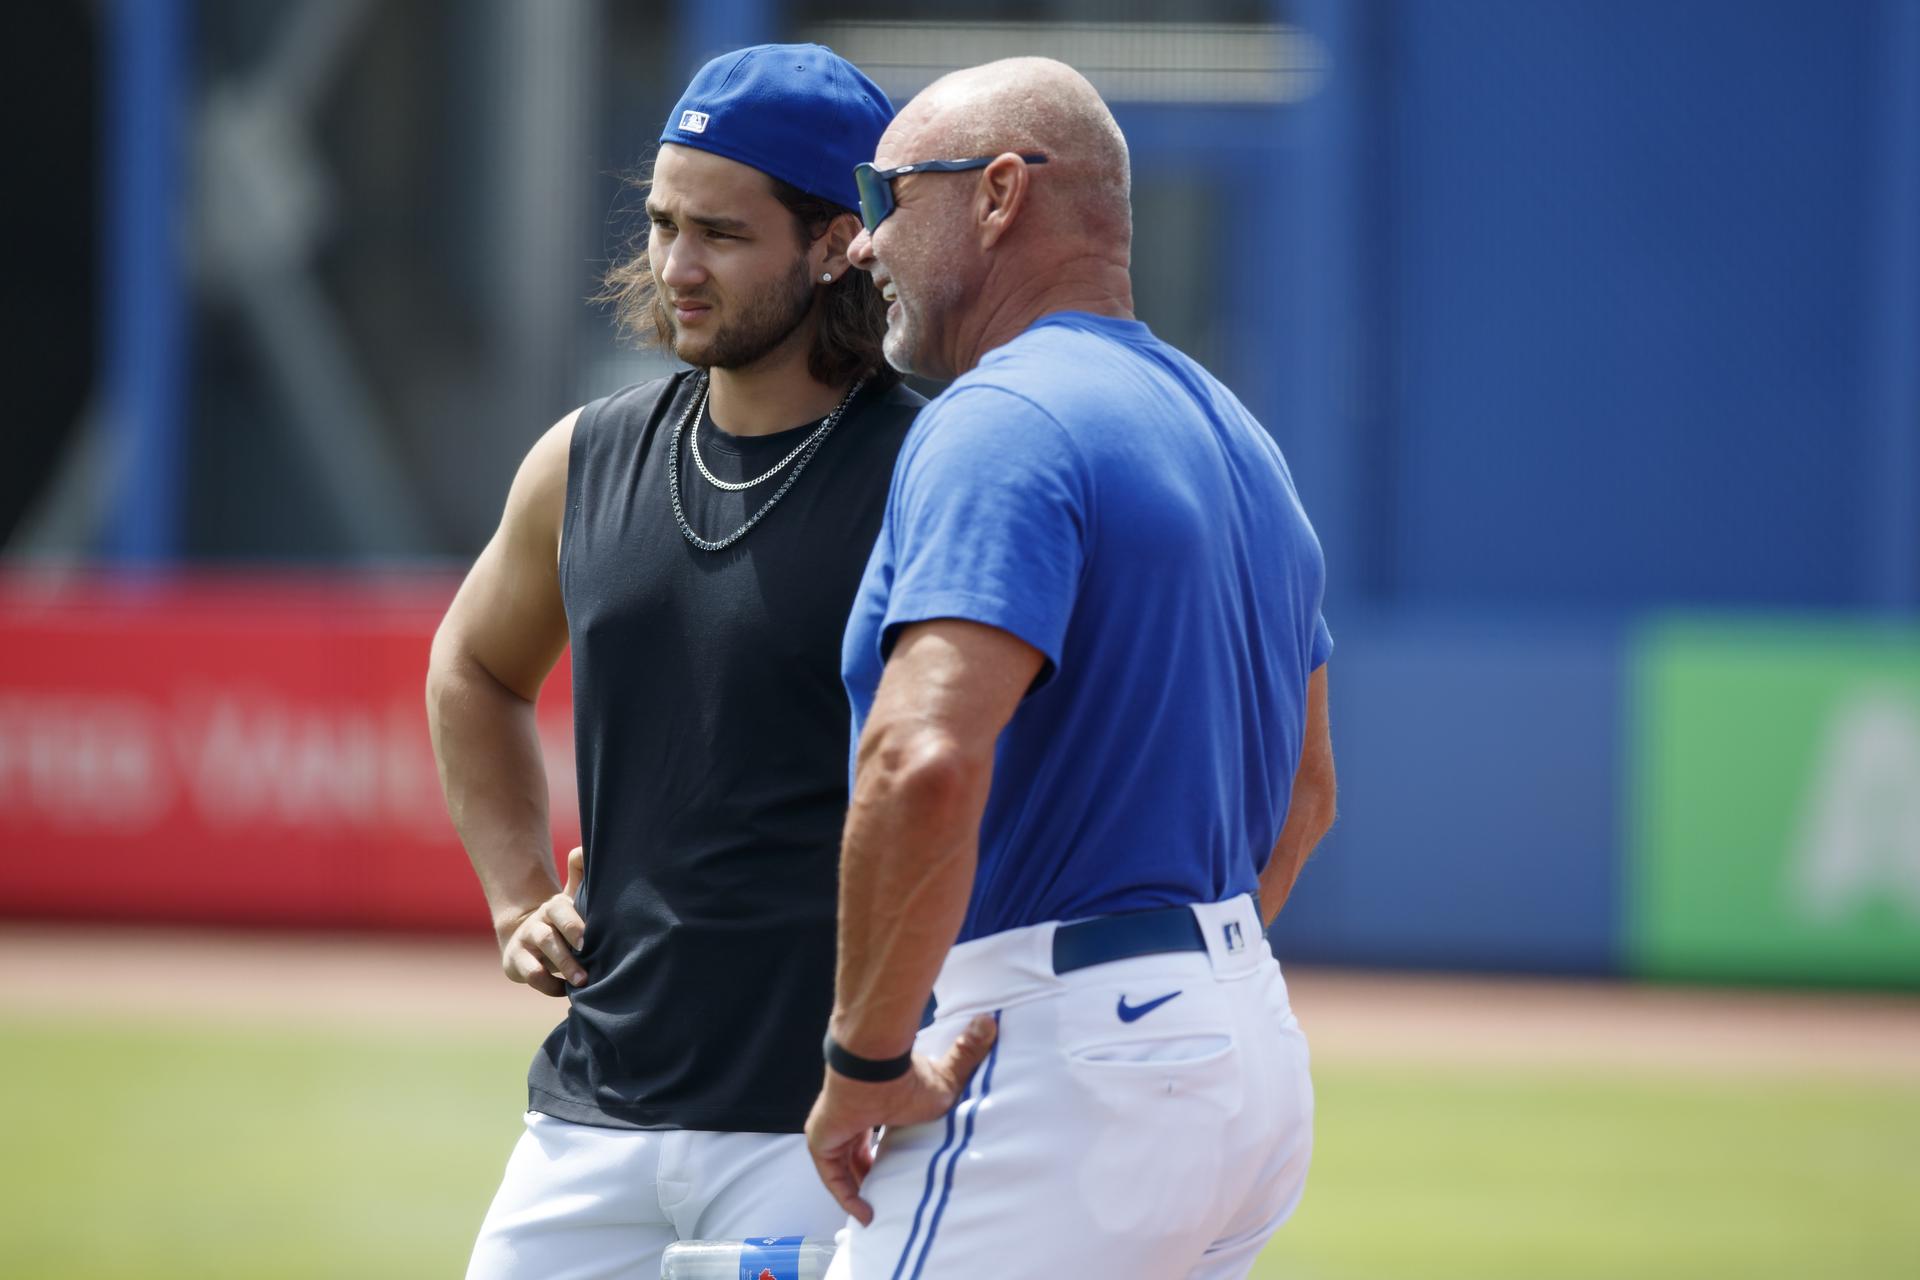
(906, 345)
(897, 346)
(761, 326)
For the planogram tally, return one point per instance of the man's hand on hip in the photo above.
(840, 1130)
(539, 950)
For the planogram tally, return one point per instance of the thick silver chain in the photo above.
(693, 442)
(804, 454)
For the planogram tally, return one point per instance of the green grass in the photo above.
(188, 1151)
(1434, 1175)
(175, 1153)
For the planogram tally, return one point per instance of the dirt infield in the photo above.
(1605, 1025)
(440, 987)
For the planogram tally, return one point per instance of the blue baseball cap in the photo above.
(800, 112)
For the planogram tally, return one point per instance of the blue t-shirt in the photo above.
(1099, 495)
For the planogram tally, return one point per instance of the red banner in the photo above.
(235, 752)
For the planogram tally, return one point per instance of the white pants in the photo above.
(1149, 1118)
(581, 1202)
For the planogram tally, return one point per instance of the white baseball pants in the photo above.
(582, 1202)
(1148, 1118)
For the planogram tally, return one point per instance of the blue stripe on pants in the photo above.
(946, 1190)
(927, 1193)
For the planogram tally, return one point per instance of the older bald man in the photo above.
(1087, 667)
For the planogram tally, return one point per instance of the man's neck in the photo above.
(1098, 286)
(774, 393)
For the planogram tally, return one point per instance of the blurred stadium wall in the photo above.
(1590, 329)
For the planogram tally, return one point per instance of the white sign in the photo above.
(1860, 835)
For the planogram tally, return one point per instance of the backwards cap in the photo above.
(800, 112)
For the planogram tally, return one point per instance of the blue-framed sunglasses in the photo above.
(876, 185)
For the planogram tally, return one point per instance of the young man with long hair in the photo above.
(697, 540)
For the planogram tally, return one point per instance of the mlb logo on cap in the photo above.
(797, 112)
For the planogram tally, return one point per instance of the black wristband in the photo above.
(867, 1070)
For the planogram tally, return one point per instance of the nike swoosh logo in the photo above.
(1135, 1012)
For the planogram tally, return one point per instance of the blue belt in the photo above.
(1121, 937)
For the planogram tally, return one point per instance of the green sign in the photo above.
(1776, 814)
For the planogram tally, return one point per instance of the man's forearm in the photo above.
(1310, 805)
(488, 747)
(906, 872)
(1283, 868)
(1308, 819)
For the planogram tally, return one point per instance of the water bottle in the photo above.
(760, 1258)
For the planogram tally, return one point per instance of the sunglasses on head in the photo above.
(876, 185)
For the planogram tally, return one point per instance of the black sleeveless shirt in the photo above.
(710, 727)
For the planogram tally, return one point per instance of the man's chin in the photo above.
(694, 351)
(897, 347)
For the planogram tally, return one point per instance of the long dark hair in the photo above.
(852, 316)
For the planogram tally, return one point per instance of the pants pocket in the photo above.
(1155, 1051)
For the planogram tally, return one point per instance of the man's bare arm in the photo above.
(907, 861)
(1310, 812)
(501, 637)
(913, 830)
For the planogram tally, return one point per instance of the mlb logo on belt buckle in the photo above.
(693, 122)
(1235, 941)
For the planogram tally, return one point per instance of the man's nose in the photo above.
(680, 266)
(860, 252)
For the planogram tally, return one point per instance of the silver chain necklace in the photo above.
(693, 443)
(803, 454)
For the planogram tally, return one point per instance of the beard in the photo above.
(908, 345)
(762, 324)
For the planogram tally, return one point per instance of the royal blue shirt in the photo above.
(1099, 495)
